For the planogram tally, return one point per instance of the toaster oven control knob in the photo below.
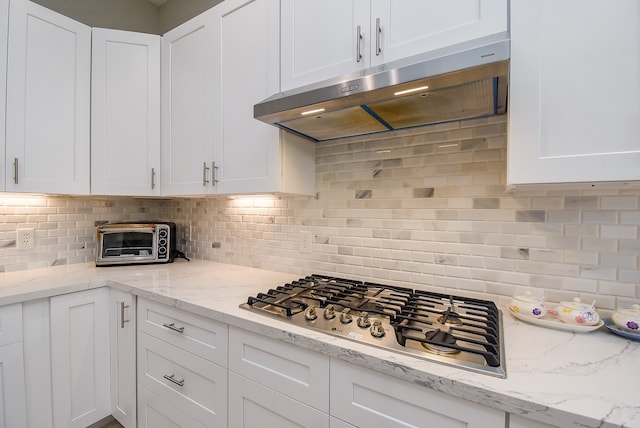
(376, 329)
(329, 312)
(310, 313)
(345, 316)
(363, 320)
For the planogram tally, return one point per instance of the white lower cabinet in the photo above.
(181, 368)
(369, 399)
(154, 412)
(517, 421)
(288, 369)
(122, 329)
(275, 382)
(80, 363)
(12, 385)
(337, 423)
(254, 405)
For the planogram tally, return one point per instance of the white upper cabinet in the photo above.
(48, 102)
(326, 39)
(215, 68)
(250, 154)
(411, 27)
(320, 40)
(574, 96)
(4, 32)
(187, 107)
(125, 113)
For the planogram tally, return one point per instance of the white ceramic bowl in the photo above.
(528, 305)
(627, 319)
(578, 313)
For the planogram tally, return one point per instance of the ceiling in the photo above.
(158, 2)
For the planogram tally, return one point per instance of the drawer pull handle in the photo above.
(171, 378)
(173, 327)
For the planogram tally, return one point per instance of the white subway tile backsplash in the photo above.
(423, 208)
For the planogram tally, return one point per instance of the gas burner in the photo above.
(453, 330)
(450, 318)
(440, 342)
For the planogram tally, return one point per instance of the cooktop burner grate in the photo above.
(454, 330)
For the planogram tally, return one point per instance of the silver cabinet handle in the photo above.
(378, 31)
(205, 170)
(358, 43)
(15, 170)
(122, 320)
(215, 173)
(171, 378)
(173, 327)
(153, 178)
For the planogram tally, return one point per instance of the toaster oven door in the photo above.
(127, 245)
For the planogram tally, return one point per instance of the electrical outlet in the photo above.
(25, 239)
(305, 242)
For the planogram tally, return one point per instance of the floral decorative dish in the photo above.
(551, 322)
(617, 330)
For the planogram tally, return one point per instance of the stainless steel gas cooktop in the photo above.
(453, 330)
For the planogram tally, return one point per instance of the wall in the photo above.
(422, 208)
(130, 15)
(175, 12)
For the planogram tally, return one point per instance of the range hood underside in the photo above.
(474, 92)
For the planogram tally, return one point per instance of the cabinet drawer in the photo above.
(194, 385)
(369, 399)
(10, 324)
(293, 371)
(199, 335)
(154, 412)
(254, 405)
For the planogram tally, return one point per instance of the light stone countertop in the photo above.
(557, 377)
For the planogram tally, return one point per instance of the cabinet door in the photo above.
(125, 113)
(564, 124)
(253, 405)
(80, 358)
(48, 101)
(37, 362)
(247, 151)
(13, 411)
(411, 27)
(320, 41)
(291, 370)
(4, 29)
(187, 108)
(193, 385)
(517, 421)
(122, 326)
(154, 412)
(369, 399)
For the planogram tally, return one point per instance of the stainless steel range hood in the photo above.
(468, 83)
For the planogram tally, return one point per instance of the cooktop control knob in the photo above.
(363, 320)
(345, 316)
(376, 329)
(310, 313)
(329, 312)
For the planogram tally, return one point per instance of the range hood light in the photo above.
(318, 110)
(409, 91)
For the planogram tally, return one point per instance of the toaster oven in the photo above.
(135, 243)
